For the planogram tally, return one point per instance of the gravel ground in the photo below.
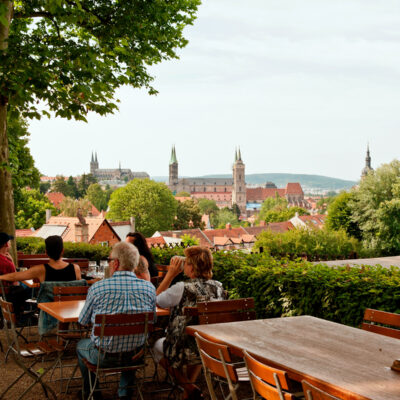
(9, 371)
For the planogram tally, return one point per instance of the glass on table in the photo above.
(92, 268)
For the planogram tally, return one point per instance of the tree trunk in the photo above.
(7, 223)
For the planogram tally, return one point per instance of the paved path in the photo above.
(384, 261)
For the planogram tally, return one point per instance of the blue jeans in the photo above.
(87, 349)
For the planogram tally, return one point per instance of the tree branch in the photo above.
(36, 14)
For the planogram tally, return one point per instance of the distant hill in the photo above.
(308, 182)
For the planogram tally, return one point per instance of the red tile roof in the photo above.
(155, 241)
(294, 188)
(260, 194)
(317, 220)
(55, 198)
(24, 232)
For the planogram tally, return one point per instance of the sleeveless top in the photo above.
(60, 275)
(179, 348)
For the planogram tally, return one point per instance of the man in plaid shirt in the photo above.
(123, 293)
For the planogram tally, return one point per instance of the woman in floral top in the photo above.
(177, 349)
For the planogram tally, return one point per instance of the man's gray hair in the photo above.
(127, 255)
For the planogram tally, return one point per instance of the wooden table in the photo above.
(326, 353)
(68, 311)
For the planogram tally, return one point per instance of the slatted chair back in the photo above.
(107, 325)
(211, 312)
(382, 322)
(123, 324)
(313, 393)
(68, 293)
(270, 383)
(10, 321)
(217, 361)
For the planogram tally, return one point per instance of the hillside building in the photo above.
(117, 174)
(367, 167)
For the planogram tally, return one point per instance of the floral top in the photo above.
(180, 348)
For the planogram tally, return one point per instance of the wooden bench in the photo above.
(382, 322)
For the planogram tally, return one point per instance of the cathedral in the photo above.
(225, 191)
(118, 174)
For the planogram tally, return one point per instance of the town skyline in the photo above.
(301, 88)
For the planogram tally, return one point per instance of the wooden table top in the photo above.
(326, 353)
(68, 311)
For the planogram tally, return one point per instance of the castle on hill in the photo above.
(117, 174)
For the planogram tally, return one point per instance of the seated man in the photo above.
(123, 293)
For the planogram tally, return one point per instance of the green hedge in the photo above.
(312, 244)
(32, 245)
(287, 288)
(281, 287)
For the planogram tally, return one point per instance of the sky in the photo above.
(302, 86)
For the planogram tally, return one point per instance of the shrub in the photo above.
(33, 245)
(313, 244)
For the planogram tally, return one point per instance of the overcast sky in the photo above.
(300, 86)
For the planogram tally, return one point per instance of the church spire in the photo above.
(96, 157)
(239, 155)
(368, 158)
(92, 160)
(236, 155)
(173, 156)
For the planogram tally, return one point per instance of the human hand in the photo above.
(176, 266)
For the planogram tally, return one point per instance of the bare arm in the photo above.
(173, 270)
(78, 274)
(35, 272)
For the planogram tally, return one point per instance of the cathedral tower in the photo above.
(367, 167)
(239, 183)
(94, 164)
(173, 169)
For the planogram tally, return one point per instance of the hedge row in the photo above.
(282, 287)
(312, 244)
(32, 245)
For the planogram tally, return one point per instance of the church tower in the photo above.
(367, 167)
(239, 182)
(94, 164)
(173, 169)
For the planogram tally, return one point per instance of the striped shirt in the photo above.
(123, 293)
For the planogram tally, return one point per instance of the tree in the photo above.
(60, 185)
(188, 240)
(44, 187)
(98, 197)
(208, 207)
(340, 215)
(151, 203)
(72, 188)
(223, 217)
(375, 209)
(69, 207)
(84, 182)
(236, 209)
(31, 211)
(276, 209)
(22, 164)
(73, 55)
(188, 215)
(182, 194)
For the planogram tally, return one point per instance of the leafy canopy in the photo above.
(73, 55)
(151, 203)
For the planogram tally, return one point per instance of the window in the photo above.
(215, 189)
(205, 189)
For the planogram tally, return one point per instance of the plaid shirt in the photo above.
(123, 293)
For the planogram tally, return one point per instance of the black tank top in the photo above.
(60, 275)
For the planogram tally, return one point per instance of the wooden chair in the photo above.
(382, 322)
(211, 312)
(219, 367)
(68, 293)
(120, 325)
(34, 352)
(313, 393)
(270, 383)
